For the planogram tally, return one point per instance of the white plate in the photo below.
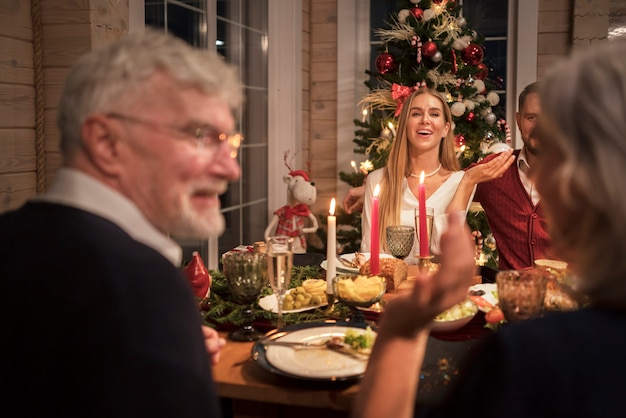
(350, 257)
(491, 294)
(269, 303)
(315, 363)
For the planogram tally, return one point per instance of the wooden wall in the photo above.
(68, 28)
(17, 110)
(554, 39)
(322, 106)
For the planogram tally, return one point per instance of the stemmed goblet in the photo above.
(400, 240)
(246, 276)
(279, 251)
(358, 291)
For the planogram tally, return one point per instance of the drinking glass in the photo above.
(279, 250)
(521, 293)
(246, 276)
(400, 240)
(430, 212)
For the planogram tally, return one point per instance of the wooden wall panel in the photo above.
(554, 38)
(15, 189)
(16, 106)
(323, 101)
(15, 19)
(16, 66)
(17, 150)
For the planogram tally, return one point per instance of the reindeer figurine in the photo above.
(289, 220)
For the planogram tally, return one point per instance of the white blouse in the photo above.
(439, 201)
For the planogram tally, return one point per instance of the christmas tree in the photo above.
(428, 43)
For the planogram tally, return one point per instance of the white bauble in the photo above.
(479, 85)
(437, 57)
(469, 104)
(457, 109)
(490, 118)
(493, 98)
(403, 14)
(498, 147)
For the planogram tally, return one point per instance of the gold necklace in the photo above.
(427, 175)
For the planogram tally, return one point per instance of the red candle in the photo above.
(423, 226)
(374, 235)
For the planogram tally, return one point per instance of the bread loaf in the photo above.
(394, 271)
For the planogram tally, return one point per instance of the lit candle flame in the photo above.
(353, 164)
(377, 189)
(364, 112)
(393, 129)
(332, 207)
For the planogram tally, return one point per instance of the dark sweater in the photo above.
(564, 365)
(518, 226)
(94, 323)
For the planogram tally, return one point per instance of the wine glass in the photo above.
(246, 276)
(279, 250)
(359, 291)
(400, 240)
(430, 212)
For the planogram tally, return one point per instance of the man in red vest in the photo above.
(511, 202)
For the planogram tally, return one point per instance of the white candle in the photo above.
(364, 118)
(331, 248)
(393, 129)
(353, 164)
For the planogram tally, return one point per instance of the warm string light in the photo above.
(353, 164)
(392, 128)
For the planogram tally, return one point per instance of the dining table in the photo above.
(247, 389)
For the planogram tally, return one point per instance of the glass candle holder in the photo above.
(521, 293)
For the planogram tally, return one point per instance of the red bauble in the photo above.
(472, 54)
(385, 63)
(470, 117)
(417, 13)
(483, 73)
(429, 48)
(459, 140)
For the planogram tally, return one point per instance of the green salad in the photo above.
(459, 311)
(360, 341)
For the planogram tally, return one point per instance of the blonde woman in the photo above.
(425, 142)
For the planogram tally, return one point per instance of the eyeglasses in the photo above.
(204, 136)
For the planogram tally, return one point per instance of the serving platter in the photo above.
(350, 257)
(316, 364)
(270, 303)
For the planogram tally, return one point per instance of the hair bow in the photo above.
(399, 93)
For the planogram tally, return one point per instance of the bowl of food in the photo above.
(455, 317)
(358, 290)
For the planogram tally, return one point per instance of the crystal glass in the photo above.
(521, 293)
(246, 276)
(359, 291)
(400, 240)
(279, 250)
(430, 212)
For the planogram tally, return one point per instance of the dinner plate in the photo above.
(313, 364)
(350, 257)
(269, 303)
(490, 295)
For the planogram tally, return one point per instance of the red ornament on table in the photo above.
(483, 73)
(470, 117)
(385, 63)
(472, 54)
(429, 48)
(417, 13)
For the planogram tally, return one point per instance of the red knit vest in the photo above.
(518, 226)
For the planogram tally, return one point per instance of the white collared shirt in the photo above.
(522, 168)
(74, 188)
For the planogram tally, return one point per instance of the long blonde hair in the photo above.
(398, 165)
